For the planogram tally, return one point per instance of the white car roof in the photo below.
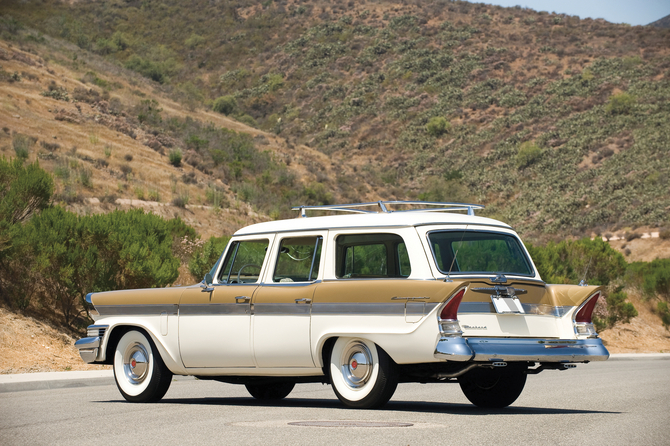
(370, 220)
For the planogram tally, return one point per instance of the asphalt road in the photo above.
(610, 403)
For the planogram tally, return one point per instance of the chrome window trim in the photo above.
(289, 284)
(247, 284)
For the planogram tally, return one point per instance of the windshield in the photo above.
(478, 252)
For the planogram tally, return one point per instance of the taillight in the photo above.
(449, 325)
(450, 310)
(582, 321)
(585, 313)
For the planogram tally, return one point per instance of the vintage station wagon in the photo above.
(362, 301)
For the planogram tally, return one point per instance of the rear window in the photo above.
(478, 252)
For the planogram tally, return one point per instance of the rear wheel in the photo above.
(493, 388)
(139, 371)
(276, 391)
(363, 375)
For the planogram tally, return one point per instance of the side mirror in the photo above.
(205, 284)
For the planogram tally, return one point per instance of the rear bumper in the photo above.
(521, 349)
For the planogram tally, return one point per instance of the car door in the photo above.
(281, 308)
(215, 322)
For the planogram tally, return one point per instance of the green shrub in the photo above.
(620, 104)
(225, 105)
(22, 145)
(438, 126)
(175, 157)
(618, 309)
(76, 255)
(528, 153)
(571, 261)
(147, 68)
(447, 189)
(248, 120)
(148, 112)
(194, 40)
(653, 277)
(664, 312)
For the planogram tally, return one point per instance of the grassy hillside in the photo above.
(558, 125)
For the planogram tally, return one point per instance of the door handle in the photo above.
(242, 299)
(303, 301)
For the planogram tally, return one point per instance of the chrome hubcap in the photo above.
(356, 364)
(136, 363)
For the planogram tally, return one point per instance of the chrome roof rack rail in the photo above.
(433, 206)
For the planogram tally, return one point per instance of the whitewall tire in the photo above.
(139, 371)
(362, 375)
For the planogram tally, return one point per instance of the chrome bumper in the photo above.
(521, 349)
(88, 348)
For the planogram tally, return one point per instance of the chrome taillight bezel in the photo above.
(586, 328)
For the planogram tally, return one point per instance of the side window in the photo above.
(244, 261)
(298, 259)
(371, 256)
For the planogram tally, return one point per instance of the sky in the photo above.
(633, 12)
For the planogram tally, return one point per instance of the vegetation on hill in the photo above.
(558, 125)
(363, 81)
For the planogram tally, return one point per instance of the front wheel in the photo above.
(363, 376)
(269, 392)
(493, 388)
(139, 371)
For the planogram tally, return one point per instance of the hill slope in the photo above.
(661, 23)
(557, 124)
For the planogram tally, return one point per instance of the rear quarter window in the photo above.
(371, 256)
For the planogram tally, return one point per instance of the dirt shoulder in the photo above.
(30, 346)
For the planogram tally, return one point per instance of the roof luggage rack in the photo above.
(356, 207)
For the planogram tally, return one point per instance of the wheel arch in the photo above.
(329, 341)
(115, 332)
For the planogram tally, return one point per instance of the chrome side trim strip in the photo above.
(136, 310)
(213, 309)
(539, 350)
(287, 309)
(370, 309)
